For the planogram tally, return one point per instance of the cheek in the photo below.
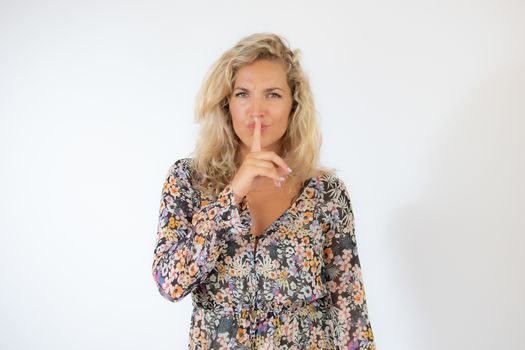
(281, 115)
(235, 113)
(238, 124)
(237, 116)
(238, 107)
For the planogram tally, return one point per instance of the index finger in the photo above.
(256, 140)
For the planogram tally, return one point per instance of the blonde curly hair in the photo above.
(213, 162)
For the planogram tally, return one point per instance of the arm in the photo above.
(349, 312)
(189, 239)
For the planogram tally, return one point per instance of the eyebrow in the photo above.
(266, 90)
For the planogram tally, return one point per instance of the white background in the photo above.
(422, 107)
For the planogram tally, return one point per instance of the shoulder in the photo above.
(336, 198)
(334, 187)
(179, 171)
(338, 214)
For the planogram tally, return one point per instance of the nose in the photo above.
(257, 107)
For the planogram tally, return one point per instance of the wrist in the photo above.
(236, 197)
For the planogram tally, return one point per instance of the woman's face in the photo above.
(261, 88)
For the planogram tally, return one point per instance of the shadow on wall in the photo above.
(460, 244)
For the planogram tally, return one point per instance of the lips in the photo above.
(251, 126)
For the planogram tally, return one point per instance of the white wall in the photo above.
(422, 106)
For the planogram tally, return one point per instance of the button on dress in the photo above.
(298, 287)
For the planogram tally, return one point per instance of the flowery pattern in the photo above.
(299, 287)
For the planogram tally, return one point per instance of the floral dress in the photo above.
(298, 287)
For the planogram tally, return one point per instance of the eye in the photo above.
(239, 93)
(275, 95)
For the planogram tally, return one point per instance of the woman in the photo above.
(262, 237)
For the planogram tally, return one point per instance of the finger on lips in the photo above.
(256, 141)
(256, 147)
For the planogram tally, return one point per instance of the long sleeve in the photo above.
(190, 236)
(352, 329)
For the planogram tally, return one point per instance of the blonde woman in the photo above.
(261, 236)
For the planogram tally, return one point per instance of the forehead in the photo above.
(261, 72)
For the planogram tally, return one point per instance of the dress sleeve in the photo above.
(189, 238)
(348, 311)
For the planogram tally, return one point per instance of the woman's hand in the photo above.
(258, 163)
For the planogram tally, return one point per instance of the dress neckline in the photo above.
(302, 193)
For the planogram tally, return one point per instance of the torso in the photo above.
(266, 206)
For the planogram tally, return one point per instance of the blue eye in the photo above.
(271, 94)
